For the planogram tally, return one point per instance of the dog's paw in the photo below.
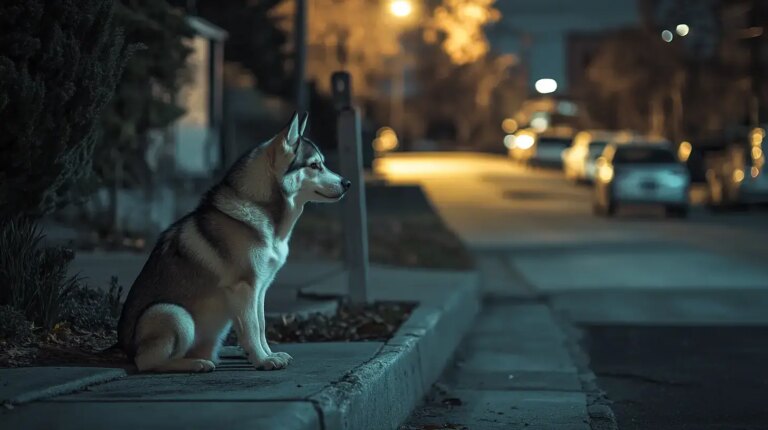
(273, 362)
(203, 366)
(284, 355)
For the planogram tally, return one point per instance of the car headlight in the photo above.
(605, 173)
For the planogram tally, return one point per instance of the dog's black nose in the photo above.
(346, 184)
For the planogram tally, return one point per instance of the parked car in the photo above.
(639, 173)
(736, 173)
(579, 160)
(548, 150)
(540, 148)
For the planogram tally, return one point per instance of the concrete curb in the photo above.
(382, 393)
(601, 416)
(44, 390)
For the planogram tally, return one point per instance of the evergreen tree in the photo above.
(145, 98)
(59, 63)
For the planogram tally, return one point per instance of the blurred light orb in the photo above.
(509, 141)
(757, 137)
(546, 86)
(667, 36)
(401, 8)
(683, 30)
(684, 151)
(605, 173)
(524, 141)
(567, 108)
(755, 172)
(386, 140)
(509, 125)
(539, 124)
(738, 175)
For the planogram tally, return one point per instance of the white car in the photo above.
(548, 150)
(640, 173)
(579, 160)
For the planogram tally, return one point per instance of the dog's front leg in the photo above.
(242, 299)
(263, 325)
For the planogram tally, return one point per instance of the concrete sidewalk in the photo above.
(515, 369)
(358, 385)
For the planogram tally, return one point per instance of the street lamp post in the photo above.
(300, 54)
(400, 9)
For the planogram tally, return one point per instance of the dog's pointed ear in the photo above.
(291, 133)
(304, 122)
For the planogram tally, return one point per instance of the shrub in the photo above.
(33, 277)
(13, 324)
(92, 309)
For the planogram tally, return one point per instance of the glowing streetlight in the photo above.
(683, 30)
(546, 86)
(401, 8)
(667, 36)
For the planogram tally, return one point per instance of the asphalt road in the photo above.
(639, 282)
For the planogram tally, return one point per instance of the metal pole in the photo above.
(353, 207)
(300, 54)
(398, 95)
(756, 66)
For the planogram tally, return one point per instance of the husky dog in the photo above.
(211, 269)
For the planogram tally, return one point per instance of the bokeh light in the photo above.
(401, 8)
(509, 125)
(684, 151)
(546, 86)
(386, 140)
(524, 141)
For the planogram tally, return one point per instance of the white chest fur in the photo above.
(267, 260)
(279, 254)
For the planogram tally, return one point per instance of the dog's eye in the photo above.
(315, 166)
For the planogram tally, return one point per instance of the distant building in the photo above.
(184, 156)
(197, 135)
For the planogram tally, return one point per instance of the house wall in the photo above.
(196, 145)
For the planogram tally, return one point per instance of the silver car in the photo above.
(641, 173)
